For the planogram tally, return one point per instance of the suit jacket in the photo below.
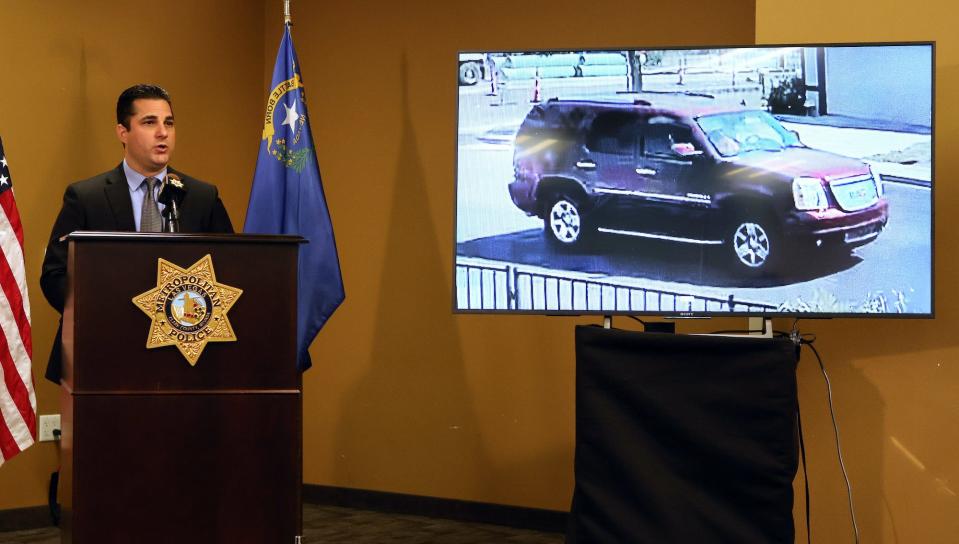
(102, 203)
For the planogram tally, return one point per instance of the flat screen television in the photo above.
(786, 180)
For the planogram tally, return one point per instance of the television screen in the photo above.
(766, 181)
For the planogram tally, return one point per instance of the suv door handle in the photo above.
(586, 164)
(646, 171)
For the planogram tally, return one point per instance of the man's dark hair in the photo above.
(136, 92)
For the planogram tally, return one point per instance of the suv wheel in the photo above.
(756, 246)
(563, 223)
(469, 73)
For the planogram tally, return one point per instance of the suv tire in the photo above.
(755, 245)
(563, 222)
(469, 73)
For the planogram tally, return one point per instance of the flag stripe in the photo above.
(13, 215)
(17, 379)
(10, 416)
(18, 400)
(8, 446)
(10, 219)
(11, 420)
(15, 303)
(13, 283)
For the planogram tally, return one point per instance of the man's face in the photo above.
(151, 137)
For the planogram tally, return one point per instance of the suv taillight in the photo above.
(809, 194)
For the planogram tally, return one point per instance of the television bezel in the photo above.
(931, 314)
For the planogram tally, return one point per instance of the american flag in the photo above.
(18, 402)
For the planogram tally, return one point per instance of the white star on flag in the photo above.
(291, 115)
(3, 179)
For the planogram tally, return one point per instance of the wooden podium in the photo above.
(156, 450)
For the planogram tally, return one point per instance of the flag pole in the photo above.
(286, 12)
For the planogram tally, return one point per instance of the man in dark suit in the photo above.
(125, 198)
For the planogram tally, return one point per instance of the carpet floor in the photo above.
(335, 525)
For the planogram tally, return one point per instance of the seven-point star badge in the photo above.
(188, 308)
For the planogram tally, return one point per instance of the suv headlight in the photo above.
(809, 194)
(877, 180)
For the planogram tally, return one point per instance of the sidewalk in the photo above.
(842, 121)
(897, 155)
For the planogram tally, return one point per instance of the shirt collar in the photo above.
(134, 178)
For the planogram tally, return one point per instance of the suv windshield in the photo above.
(741, 132)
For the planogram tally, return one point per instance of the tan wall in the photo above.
(404, 396)
(895, 382)
(62, 65)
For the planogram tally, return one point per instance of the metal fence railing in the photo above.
(506, 287)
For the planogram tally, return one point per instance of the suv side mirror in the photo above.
(686, 150)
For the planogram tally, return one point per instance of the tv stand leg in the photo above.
(761, 327)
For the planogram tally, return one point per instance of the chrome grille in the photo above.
(854, 193)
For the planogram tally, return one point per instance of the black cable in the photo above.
(835, 426)
(805, 473)
(638, 319)
(52, 503)
(797, 340)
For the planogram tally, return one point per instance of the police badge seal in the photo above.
(188, 308)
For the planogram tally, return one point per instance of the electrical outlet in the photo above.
(48, 424)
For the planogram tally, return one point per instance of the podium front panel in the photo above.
(156, 450)
(107, 334)
(185, 468)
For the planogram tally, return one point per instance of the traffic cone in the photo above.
(535, 99)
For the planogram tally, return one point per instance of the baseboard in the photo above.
(519, 517)
(22, 519)
(536, 519)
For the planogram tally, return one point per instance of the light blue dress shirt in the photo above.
(138, 191)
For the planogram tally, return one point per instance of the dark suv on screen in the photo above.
(685, 169)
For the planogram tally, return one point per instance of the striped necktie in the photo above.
(150, 220)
